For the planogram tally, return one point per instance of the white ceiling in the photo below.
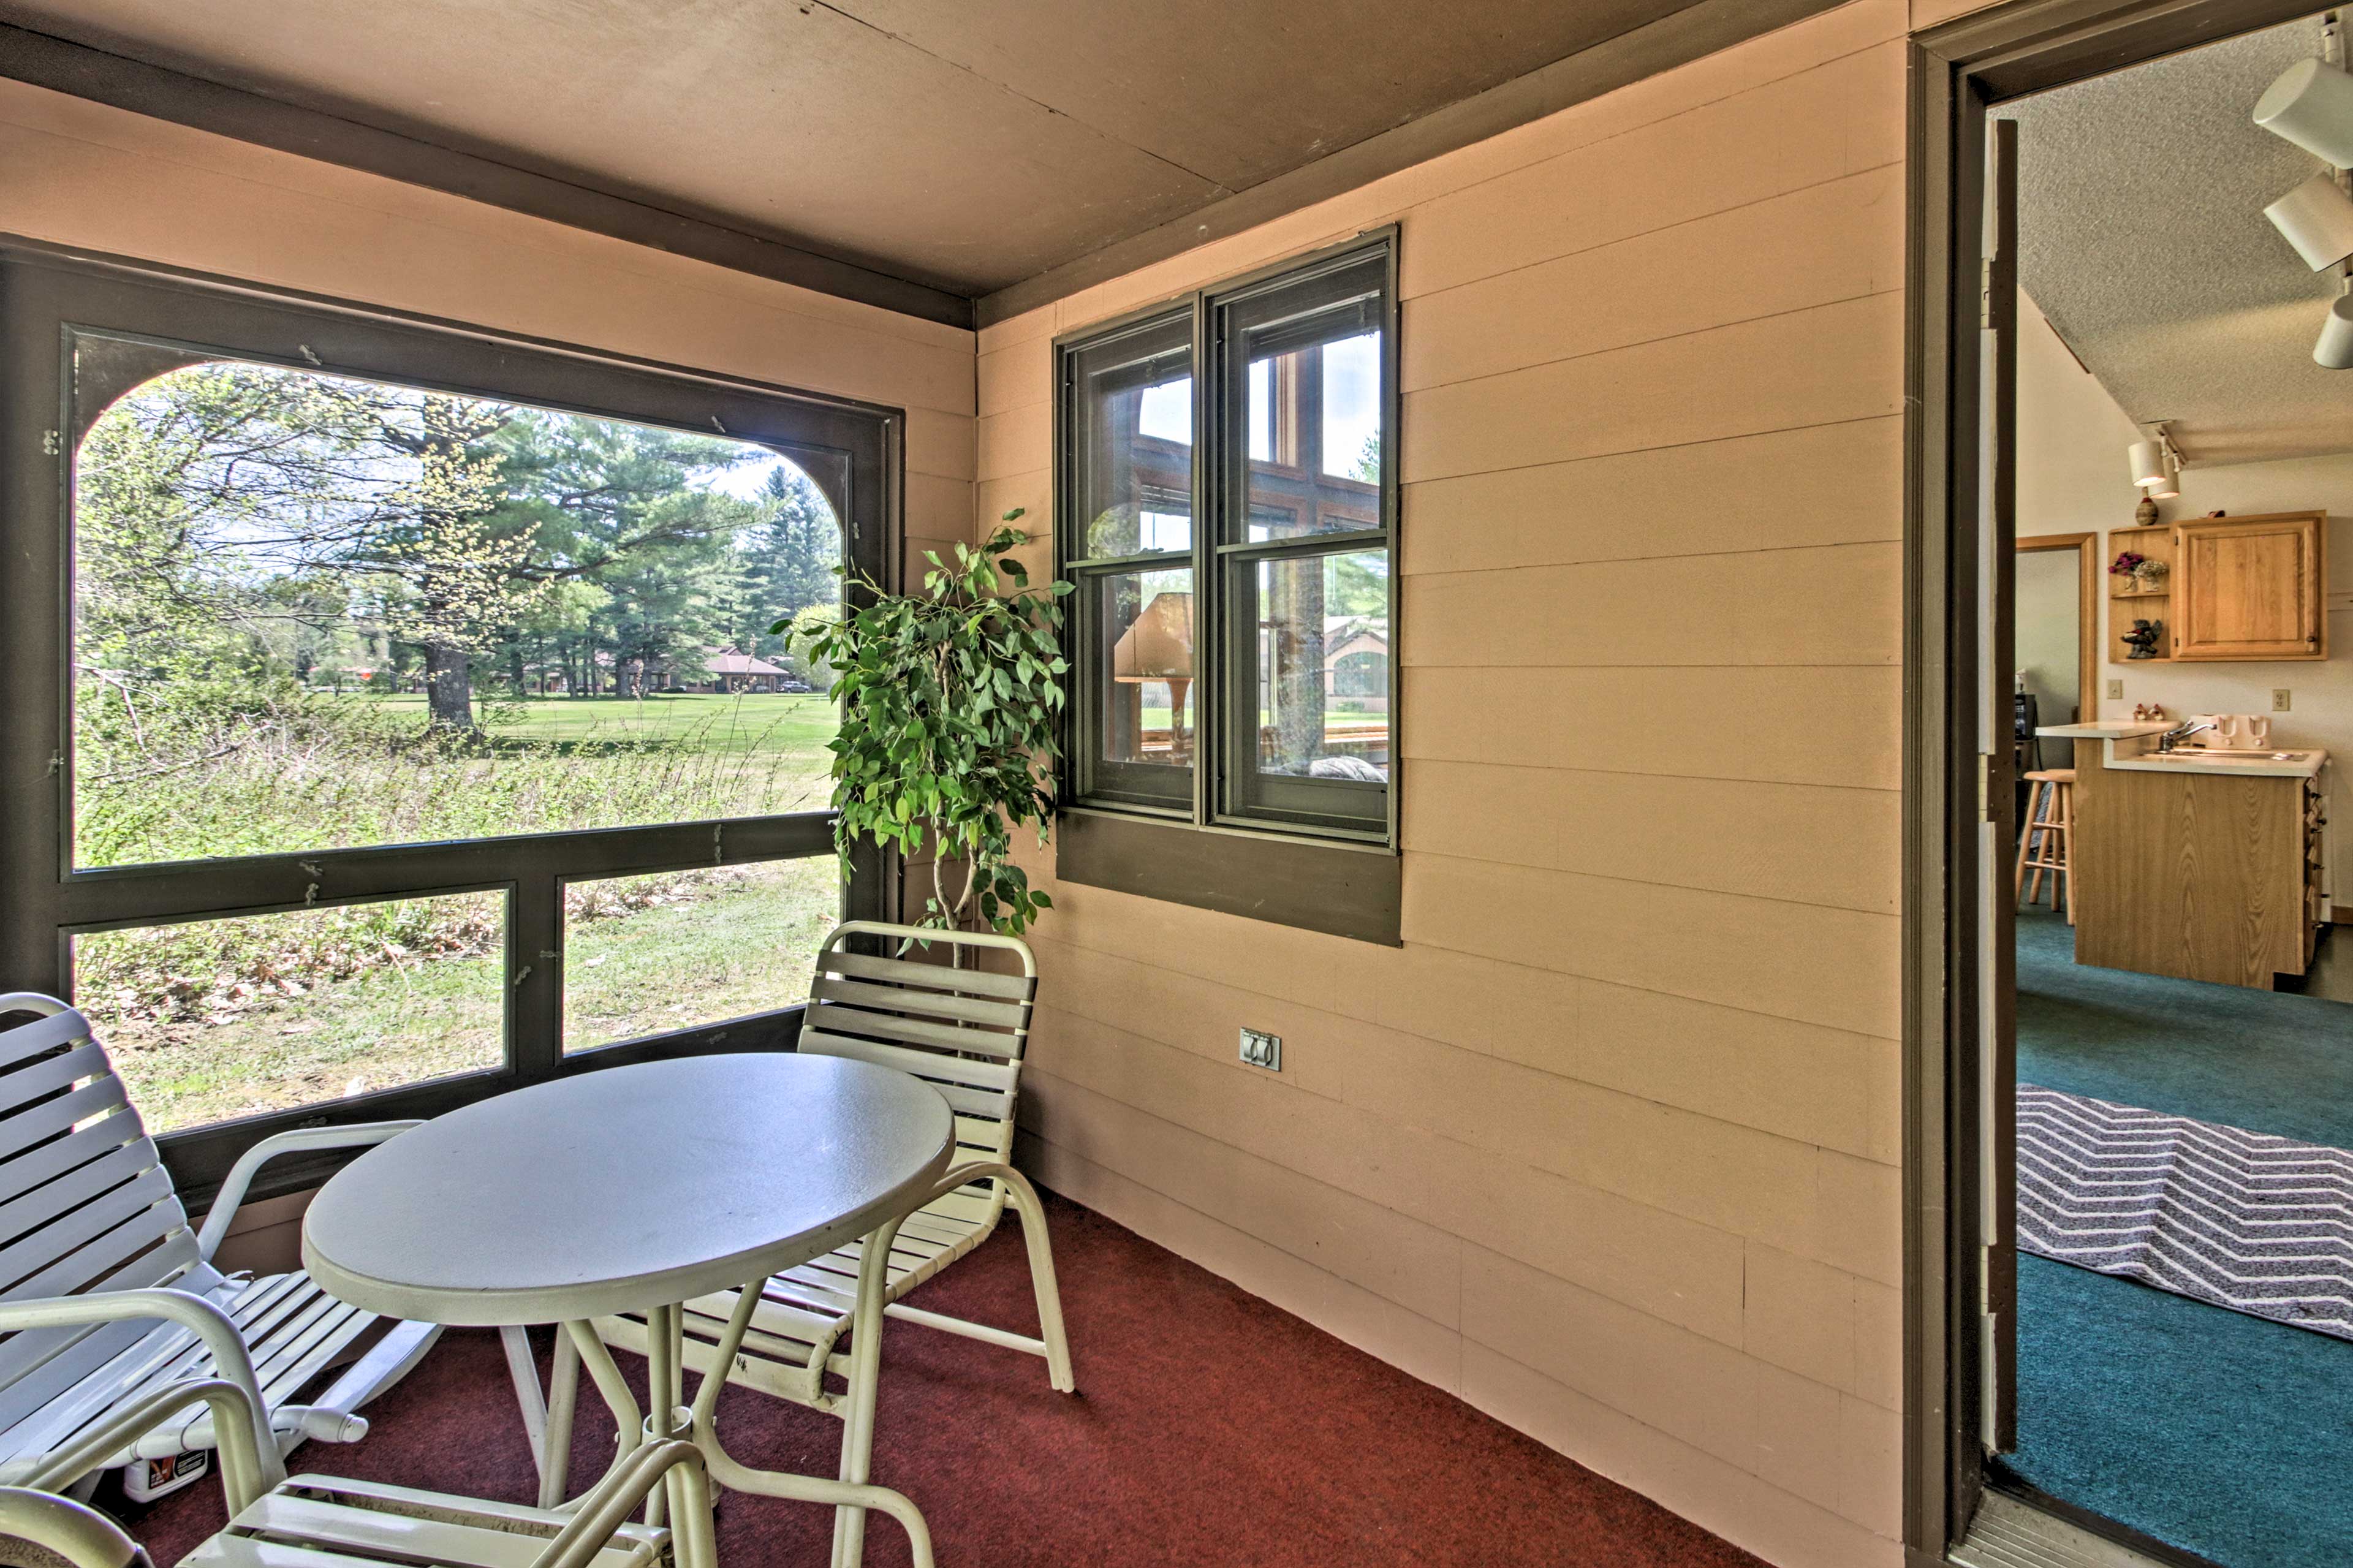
(2142, 237)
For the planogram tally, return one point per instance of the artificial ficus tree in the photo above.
(951, 704)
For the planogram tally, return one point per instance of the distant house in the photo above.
(728, 670)
(718, 671)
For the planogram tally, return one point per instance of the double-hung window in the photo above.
(1227, 509)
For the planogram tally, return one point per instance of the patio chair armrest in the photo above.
(232, 1361)
(964, 1175)
(231, 1196)
(611, 1502)
(47, 1006)
(73, 1531)
(232, 1421)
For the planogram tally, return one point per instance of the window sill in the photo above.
(1328, 885)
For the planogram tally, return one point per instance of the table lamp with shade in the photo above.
(1159, 646)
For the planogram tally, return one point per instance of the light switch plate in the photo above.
(2116, 691)
(1260, 1049)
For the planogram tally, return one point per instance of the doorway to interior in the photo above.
(2132, 1097)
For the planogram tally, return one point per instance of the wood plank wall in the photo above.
(1609, 1146)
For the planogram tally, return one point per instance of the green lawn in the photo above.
(723, 944)
(746, 722)
(674, 950)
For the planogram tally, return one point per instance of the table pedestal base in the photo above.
(548, 1418)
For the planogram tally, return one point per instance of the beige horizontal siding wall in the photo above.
(81, 174)
(1609, 1145)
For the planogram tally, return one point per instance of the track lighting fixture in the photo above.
(2335, 349)
(2155, 461)
(2311, 105)
(2316, 217)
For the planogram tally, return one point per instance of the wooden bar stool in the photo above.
(2046, 847)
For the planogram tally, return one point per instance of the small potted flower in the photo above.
(2141, 573)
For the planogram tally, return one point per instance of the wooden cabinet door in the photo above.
(2250, 588)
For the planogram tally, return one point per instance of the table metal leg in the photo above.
(546, 1419)
(523, 1369)
(562, 1400)
(610, 1383)
(666, 1392)
(853, 1495)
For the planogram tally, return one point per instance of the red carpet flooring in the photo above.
(1211, 1429)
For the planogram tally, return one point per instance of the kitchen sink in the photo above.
(2188, 754)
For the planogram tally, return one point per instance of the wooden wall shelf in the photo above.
(2131, 603)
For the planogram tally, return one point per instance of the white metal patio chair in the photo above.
(318, 1521)
(961, 1030)
(106, 1294)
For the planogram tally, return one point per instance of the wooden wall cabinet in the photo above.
(2249, 588)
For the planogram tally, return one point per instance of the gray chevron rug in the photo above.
(2257, 1224)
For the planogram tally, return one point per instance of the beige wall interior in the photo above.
(2072, 478)
(1608, 1146)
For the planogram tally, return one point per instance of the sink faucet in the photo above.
(2173, 738)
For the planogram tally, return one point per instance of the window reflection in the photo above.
(1322, 646)
(1134, 490)
(1147, 695)
(1315, 431)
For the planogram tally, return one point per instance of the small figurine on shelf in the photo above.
(2143, 638)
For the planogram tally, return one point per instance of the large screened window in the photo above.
(394, 708)
(1228, 505)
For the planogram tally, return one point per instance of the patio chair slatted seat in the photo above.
(86, 1210)
(339, 1520)
(318, 1521)
(962, 1031)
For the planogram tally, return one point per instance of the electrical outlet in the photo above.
(2116, 691)
(2279, 698)
(1261, 1049)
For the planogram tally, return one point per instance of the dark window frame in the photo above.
(49, 298)
(1294, 866)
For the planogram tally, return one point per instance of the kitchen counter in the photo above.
(2131, 746)
(2106, 729)
(2212, 874)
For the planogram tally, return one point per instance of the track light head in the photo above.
(2335, 349)
(2316, 217)
(2311, 105)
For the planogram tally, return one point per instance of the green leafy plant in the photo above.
(950, 699)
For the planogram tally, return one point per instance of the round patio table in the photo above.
(637, 1189)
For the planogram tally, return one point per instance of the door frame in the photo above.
(1956, 71)
(2086, 547)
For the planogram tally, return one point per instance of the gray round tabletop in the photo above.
(625, 1189)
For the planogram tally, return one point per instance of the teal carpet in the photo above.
(2223, 1434)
